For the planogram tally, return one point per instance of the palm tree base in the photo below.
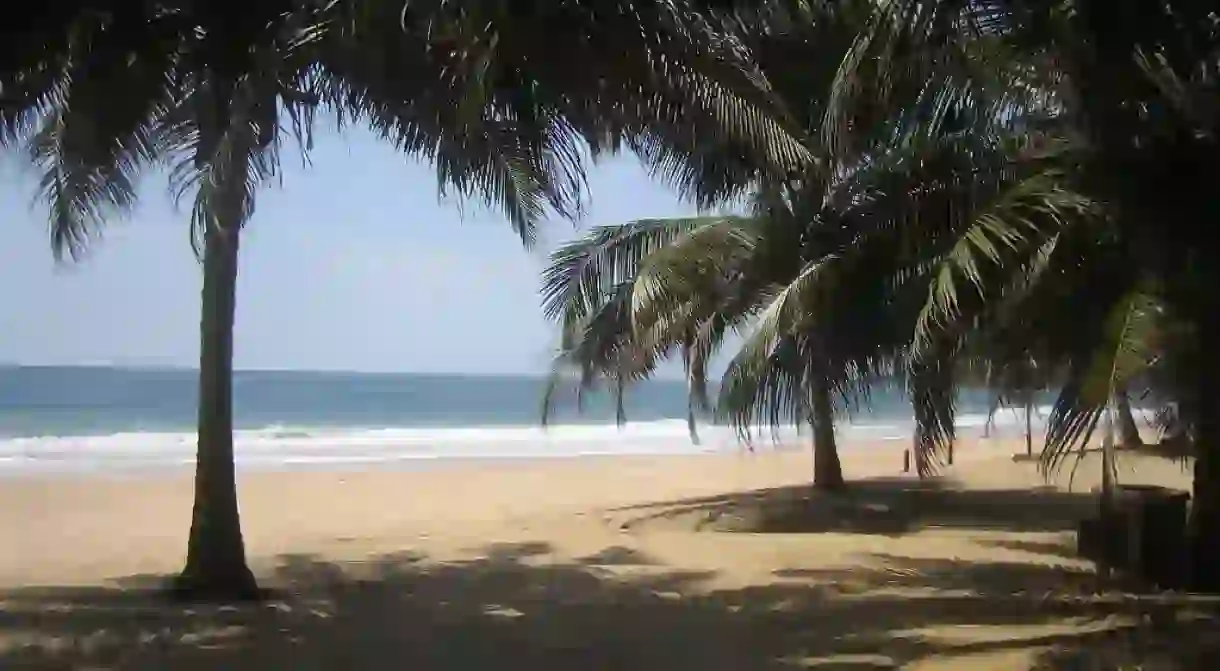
(236, 586)
(830, 485)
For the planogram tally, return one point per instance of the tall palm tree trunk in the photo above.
(827, 471)
(216, 556)
(1128, 430)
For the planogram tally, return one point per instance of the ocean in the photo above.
(56, 419)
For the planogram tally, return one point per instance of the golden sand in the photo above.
(713, 562)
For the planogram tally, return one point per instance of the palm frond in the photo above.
(1015, 231)
(583, 273)
(932, 390)
(764, 381)
(764, 387)
(933, 61)
(697, 351)
(690, 279)
(600, 347)
(627, 296)
(1126, 347)
(502, 102)
(91, 145)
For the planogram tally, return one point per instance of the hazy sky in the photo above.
(352, 264)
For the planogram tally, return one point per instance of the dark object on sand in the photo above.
(1145, 538)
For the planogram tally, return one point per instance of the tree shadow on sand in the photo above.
(521, 607)
(885, 506)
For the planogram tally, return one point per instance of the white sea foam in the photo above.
(302, 446)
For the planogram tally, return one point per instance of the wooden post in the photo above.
(906, 461)
(1029, 425)
(1105, 568)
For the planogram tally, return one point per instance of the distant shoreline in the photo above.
(194, 370)
(357, 464)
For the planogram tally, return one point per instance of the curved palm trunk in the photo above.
(692, 420)
(216, 556)
(827, 471)
(1128, 430)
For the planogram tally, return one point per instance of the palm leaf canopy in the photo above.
(1133, 86)
(832, 267)
(506, 102)
(967, 209)
(1132, 89)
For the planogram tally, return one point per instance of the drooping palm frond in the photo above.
(691, 294)
(618, 319)
(1014, 231)
(1126, 347)
(764, 381)
(805, 337)
(722, 273)
(928, 58)
(90, 144)
(428, 101)
(697, 267)
(1048, 309)
(599, 349)
(668, 80)
(764, 386)
(39, 47)
(583, 273)
(133, 86)
(933, 391)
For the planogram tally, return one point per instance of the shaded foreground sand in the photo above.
(716, 562)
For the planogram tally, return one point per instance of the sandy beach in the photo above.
(709, 562)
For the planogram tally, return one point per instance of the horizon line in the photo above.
(173, 368)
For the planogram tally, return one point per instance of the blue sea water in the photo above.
(56, 419)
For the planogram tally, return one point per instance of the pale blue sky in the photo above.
(352, 264)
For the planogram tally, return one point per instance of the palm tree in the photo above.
(500, 101)
(858, 251)
(826, 282)
(1136, 90)
(954, 221)
(627, 296)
